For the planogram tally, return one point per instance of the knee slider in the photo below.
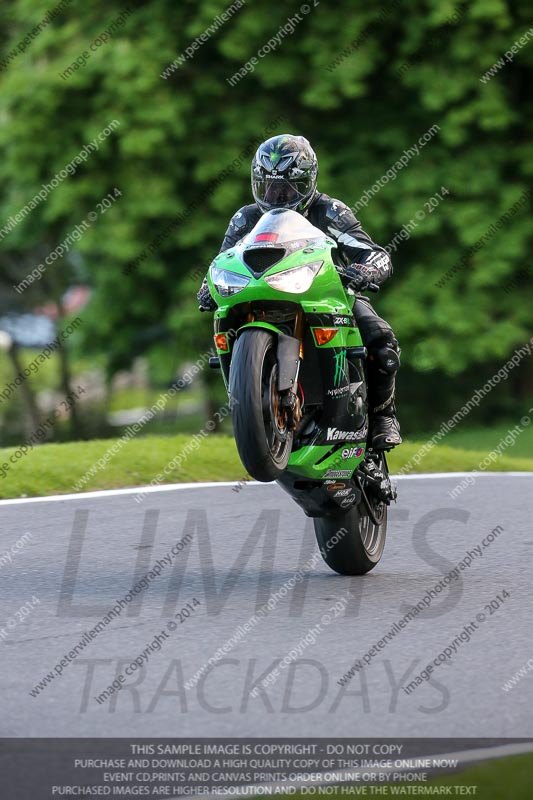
(386, 356)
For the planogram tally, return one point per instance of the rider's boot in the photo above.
(384, 427)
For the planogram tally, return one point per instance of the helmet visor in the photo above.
(279, 192)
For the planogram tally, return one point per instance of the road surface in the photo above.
(237, 548)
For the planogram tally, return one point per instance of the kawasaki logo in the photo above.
(334, 434)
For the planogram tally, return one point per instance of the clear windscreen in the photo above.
(283, 228)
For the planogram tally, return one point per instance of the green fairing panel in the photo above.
(304, 461)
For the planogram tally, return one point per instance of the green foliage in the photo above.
(413, 68)
(495, 779)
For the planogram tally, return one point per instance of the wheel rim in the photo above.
(371, 534)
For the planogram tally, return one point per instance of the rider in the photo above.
(284, 175)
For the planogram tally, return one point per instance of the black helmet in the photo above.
(284, 173)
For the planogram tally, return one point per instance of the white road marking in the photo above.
(175, 487)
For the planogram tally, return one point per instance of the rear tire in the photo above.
(360, 548)
(263, 439)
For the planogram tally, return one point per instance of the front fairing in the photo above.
(289, 237)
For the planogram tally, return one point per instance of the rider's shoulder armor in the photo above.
(245, 218)
(328, 209)
(240, 224)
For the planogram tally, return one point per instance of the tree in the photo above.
(364, 83)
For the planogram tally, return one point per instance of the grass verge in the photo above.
(57, 468)
(501, 779)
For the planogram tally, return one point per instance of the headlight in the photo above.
(228, 283)
(295, 281)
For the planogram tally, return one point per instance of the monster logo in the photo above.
(341, 368)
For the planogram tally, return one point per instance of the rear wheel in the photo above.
(260, 424)
(352, 542)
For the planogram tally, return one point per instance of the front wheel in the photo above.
(352, 543)
(260, 424)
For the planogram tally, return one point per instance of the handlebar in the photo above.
(373, 287)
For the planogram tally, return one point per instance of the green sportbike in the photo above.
(293, 363)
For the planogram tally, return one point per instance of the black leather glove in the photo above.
(205, 301)
(357, 277)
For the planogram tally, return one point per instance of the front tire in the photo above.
(358, 549)
(262, 435)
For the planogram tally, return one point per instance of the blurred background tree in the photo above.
(415, 64)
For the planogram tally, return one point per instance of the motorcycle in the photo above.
(293, 363)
